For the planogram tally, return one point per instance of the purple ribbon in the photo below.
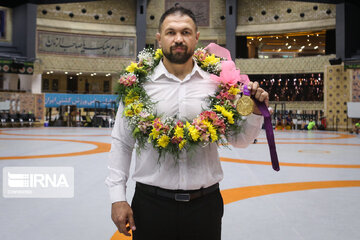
(269, 134)
(268, 129)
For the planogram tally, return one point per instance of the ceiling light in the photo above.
(286, 44)
(260, 39)
(94, 74)
(51, 71)
(302, 47)
(287, 36)
(308, 40)
(47, 72)
(300, 50)
(277, 37)
(289, 47)
(66, 72)
(294, 40)
(279, 49)
(317, 34)
(316, 47)
(308, 35)
(80, 73)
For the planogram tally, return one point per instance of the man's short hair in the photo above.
(177, 9)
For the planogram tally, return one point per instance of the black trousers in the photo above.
(160, 218)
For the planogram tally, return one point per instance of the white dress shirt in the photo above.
(185, 99)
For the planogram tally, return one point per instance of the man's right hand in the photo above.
(122, 216)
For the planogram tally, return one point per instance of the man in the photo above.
(311, 125)
(174, 200)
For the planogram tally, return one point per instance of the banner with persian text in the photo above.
(85, 45)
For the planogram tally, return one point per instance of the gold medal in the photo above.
(245, 105)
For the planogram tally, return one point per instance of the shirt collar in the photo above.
(161, 70)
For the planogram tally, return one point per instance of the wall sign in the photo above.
(85, 45)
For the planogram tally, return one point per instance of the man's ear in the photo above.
(197, 37)
(158, 38)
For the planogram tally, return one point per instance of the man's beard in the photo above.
(179, 57)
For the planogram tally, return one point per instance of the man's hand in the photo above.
(259, 94)
(122, 216)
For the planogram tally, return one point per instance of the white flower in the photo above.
(146, 57)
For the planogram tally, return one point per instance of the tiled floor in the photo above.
(316, 194)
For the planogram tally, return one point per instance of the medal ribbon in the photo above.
(269, 134)
(224, 53)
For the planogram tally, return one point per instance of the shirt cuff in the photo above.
(117, 193)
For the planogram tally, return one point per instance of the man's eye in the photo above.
(186, 32)
(171, 33)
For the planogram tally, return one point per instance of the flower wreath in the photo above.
(168, 134)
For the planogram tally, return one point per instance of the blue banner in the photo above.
(80, 100)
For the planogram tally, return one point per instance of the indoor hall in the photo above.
(314, 195)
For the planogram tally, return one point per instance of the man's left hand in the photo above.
(259, 94)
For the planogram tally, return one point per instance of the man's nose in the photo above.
(179, 37)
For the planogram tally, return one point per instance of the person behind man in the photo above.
(356, 128)
(174, 200)
(311, 125)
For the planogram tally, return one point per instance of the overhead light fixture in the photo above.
(94, 74)
(309, 44)
(289, 47)
(279, 50)
(80, 73)
(277, 37)
(317, 34)
(47, 72)
(308, 40)
(302, 47)
(287, 36)
(77, 74)
(316, 47)
(308, 35)
(300, 50)
(286, 44)
(260, 39)
(51, 71)
(66, 72)
(91, 74)
(294, 40)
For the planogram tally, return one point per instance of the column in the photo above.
(231, 23)
(140, 25)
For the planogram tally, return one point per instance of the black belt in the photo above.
(177, 195)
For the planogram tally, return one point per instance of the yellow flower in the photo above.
(158, 53)
(194, 133)
(211, 130)
(182, 144)
(225, 113)
(211, 60)
(233, 90)
(229, 116)
(137, 108)
(179, 132)
(131, 68)
(154, 133)
(163, 141)
(129, 100)
(129, 113)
